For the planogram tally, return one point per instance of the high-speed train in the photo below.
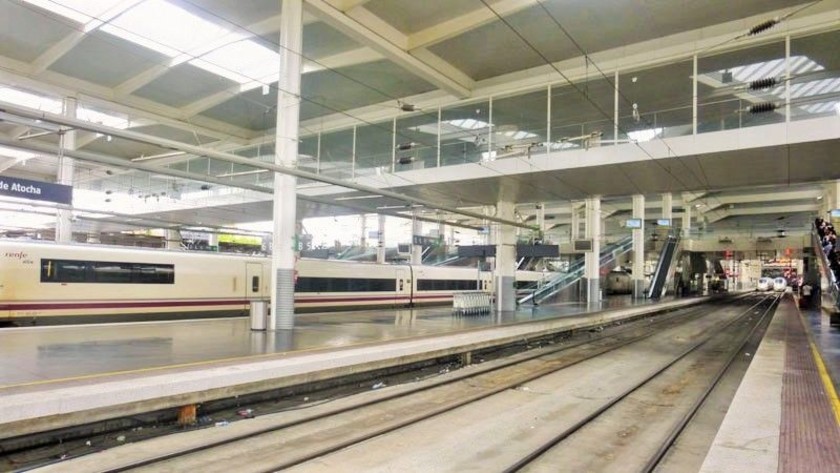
(44, 283)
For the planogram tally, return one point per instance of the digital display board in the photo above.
(633, 223)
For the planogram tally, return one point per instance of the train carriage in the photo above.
(44, 282)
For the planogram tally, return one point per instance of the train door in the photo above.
(403, 294)
(253, 280)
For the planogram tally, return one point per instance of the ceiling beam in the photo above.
(50, 83)
(347, 5)
(56, 52)
(466, 22)
(368, 29)
(718, 215)
(348, 58)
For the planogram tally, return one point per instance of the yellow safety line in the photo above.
(826, 379)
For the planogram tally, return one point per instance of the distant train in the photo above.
(618, 281)
(780, 284)
(44, 282)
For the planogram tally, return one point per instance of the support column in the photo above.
(505, 259)
(592, 269)
(213, 241)
(380, 248)
(416, 247)
(442, 232)
(172, 239)
(285, 186)
(363, 224)
(639, 248)
(686, 220)
(667, 207)
(66, 168)
(541, 220)
(575, 231)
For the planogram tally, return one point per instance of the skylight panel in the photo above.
(91, 13)
(102, 118)
(641, 136)
(17, 154)
(165, 28)
(25, 99)
(242, 61)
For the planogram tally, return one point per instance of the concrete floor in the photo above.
(35, 354)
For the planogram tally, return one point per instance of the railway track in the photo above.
(406, 427)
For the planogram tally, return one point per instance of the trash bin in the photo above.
(259, 314)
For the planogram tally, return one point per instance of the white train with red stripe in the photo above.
(44, 282)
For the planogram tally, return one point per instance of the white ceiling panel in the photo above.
(27, 31)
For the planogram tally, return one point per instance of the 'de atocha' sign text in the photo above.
(36, 190)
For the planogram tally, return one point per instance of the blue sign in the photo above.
(36, 190)
(633, 223)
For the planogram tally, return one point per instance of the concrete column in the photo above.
(442, 232)
(639, 248)
(363, 225)
(592, 269)
(286, 139)
(667, 206)
(380, 248)
(66, 168)
(541, 219)
(575, 232)
(213, 240)
(416, 249)
(686, 220)
(505, 259)
(172, 239)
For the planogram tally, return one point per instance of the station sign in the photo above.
(633, 223)
(36, 190)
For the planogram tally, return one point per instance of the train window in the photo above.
(153, 273)
(106, 272)
(115, 273)
(305, 284)
(447, 285)
(255, 284)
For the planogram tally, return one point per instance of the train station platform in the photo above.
(785, 416)
(38, 354)
(55, 377)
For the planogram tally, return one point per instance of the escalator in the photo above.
(541, 291)
(664, 266)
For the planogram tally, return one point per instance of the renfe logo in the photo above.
(16, 254)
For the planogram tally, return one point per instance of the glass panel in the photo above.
(815, 76)
(723, 95)
(582, 118)
(417, 141)
(337, 154)
(520, 124)
(655, 103)
(373, 148)
(464, 134)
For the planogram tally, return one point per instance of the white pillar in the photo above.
(592, 269)
(213, 240)
(416, 247)
(363, 225)
(66, 168)
(639, 247)
(442, 232)
(172, 239)
(505, 259)
(380, 248)
(541, 219)
(686, 220)
(286, 139)
(667, 206)
(575, 231)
